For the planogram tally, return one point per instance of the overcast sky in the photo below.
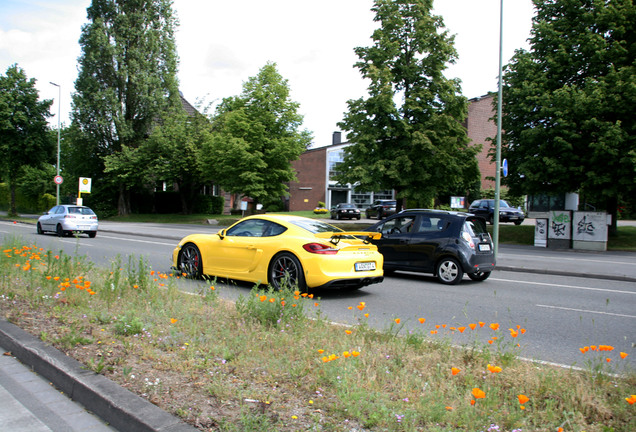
(222, 43)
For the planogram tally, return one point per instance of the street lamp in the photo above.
(59, 114)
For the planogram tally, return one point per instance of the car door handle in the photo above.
(251, 247)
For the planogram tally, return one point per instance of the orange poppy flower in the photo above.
(422, 320)
(355, 353)
(494, 326)
(631, 400)
(455, 371)
(623, 355)
(472, 326)
(461, 329)
(523, 398)
(173, 320)
(478, 393)
(494, 369)
(397, 320)
(348, 331)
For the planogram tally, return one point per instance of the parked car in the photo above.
(486, 209)
(283, 251)
(345, 211)
(381, 209)
(68, 219)
(446, 244)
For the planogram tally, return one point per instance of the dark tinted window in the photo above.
(256, 228)
(314, 226)
(474, 227)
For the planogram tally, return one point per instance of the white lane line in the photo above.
(139, 241)
(565, 286)
(585, 311)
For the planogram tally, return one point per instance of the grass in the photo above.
(272, 362)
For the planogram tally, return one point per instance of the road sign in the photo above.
(85, 185)
(58, 180)
(504, 167)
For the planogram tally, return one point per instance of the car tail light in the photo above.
(468, 239)
(319, 248)
(68, 216)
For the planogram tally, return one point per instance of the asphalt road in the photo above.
(560, 313)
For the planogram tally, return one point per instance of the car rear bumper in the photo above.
(350, 283)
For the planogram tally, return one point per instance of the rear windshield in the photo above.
(475, 227)
(315, 226)
(80, 210)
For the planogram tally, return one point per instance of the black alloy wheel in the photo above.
(190, 262)
(40, 231)
(285, 271)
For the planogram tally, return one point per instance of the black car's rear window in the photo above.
(475, 227)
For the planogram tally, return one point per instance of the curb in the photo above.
(115, 405)
(565, 273)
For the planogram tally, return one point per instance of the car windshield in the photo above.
(503, 203)
(347, 206)
(314, 226)
(475, 227)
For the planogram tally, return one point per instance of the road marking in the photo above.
(139, 241)
(565, 286)
(586, 311)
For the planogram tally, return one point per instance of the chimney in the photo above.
(337, 138)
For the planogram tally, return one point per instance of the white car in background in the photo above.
(69, 219)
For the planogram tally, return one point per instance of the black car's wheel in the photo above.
(190, 262)
(40, 231)
(379, 214)
(286, 271)
(60, 231)
(518, 222)
(479, 276)
(92, 234)
(449, 271)
(358, 217)
(491, 220)
(337, 216)
(368, 216)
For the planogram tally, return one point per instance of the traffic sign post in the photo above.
(58, 180)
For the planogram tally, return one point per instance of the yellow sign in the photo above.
(84, 185)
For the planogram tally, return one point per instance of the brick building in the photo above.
(316, 166)
(480, 125)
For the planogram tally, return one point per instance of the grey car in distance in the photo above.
(69, 219)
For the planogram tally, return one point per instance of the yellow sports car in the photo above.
(283, 251)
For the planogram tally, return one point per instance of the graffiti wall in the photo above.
(589, 226)
(560, 225)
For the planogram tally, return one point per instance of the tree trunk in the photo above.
(123, 203)
(12, 209)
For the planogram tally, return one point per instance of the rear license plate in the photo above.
(365, 266)
(484, 247)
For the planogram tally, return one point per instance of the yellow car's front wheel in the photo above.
(190, 262)
(285, 271)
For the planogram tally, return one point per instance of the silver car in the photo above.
(69, 219)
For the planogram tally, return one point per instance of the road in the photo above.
(560, 313)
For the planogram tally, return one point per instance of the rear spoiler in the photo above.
(335, 237)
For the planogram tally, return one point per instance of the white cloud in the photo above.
(222, 43)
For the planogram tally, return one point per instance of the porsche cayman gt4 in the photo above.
(283, 251)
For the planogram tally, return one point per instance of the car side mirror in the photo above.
(222, 234)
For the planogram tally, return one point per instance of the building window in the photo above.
(334, 159)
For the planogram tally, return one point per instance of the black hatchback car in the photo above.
(446, 244)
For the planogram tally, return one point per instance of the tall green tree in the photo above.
(569, 103)
(127, 79)
(24, 138)
(256, 136)
(407, 135)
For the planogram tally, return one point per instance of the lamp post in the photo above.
(59, 114)
(498, 153)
